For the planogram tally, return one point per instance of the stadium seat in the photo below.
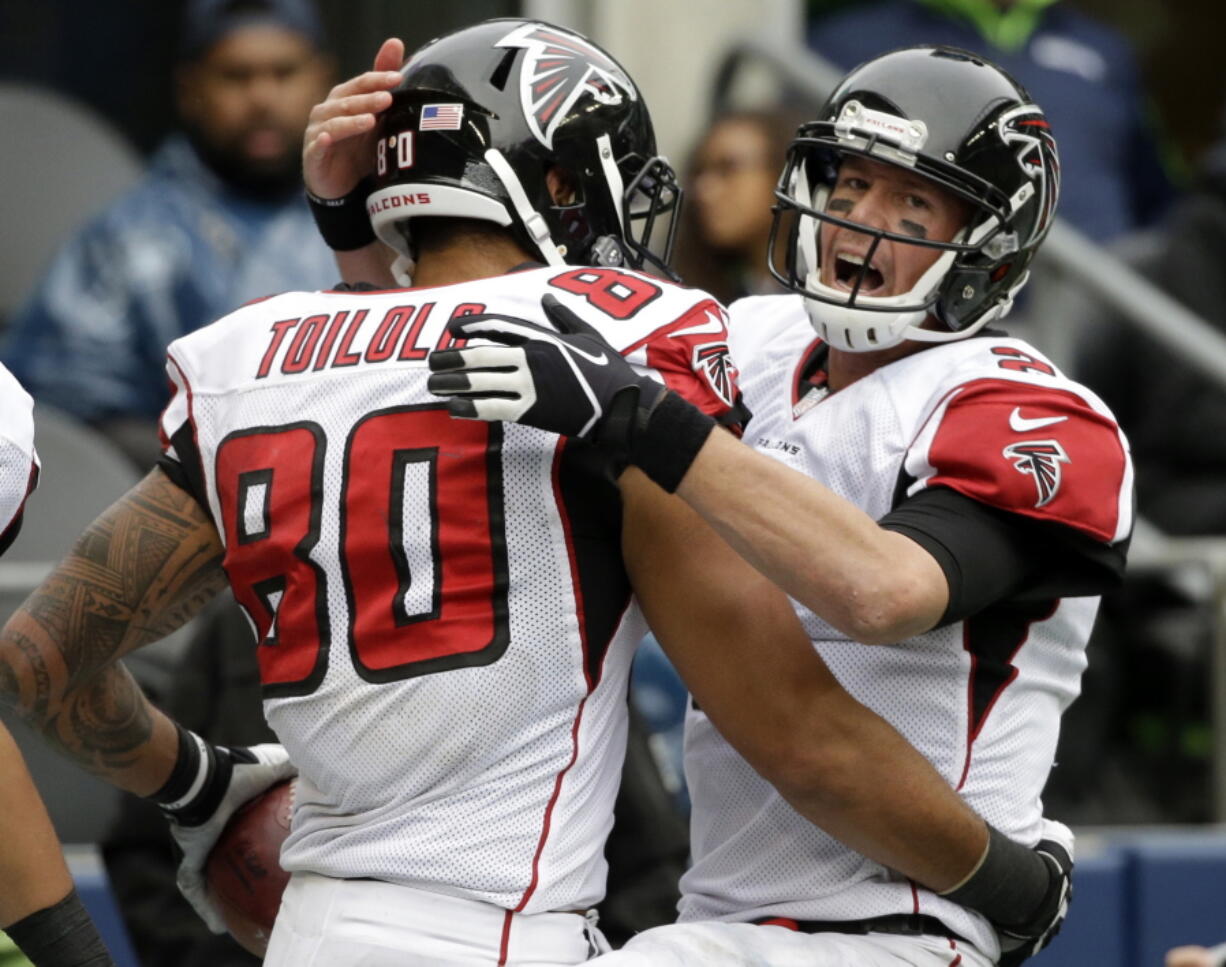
(1180, 893)
(64, 165)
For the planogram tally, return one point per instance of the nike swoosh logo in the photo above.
(713, 324)
(1019, 423)
(601, 360)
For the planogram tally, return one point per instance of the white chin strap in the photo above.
(402, 270)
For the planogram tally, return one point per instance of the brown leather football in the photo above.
(243, 872)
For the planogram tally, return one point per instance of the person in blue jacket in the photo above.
(218, 219)
(1084, 73)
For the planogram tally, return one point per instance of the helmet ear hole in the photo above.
(498, 79)
(562, 185)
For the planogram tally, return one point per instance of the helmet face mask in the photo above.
(652, 194)
(984, 145)
(519, 100)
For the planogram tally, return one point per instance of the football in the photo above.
(243, 872)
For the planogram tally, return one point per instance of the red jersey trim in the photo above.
(547, 822)
(707, 305)
(571, 558)
(975, 728)
(798, 380)
(553, 801)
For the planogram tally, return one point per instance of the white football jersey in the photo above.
(994, 420)
(18, 459)
(443, 619)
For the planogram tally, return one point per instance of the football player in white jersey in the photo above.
(942, 504)
(443, 609)
(39, 908)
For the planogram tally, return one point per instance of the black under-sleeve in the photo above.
(184, 466)
(989, 555)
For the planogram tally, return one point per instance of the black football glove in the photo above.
(1020, 942)
(569, 381)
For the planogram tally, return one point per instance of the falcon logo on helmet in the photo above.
(1026, 127)
(1040, 459)
(559, 68)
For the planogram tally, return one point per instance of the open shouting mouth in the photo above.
(848, 267)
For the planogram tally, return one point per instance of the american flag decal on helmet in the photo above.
(713, 361)
(1040, 459)
(559, 68)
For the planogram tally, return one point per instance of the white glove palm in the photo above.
(250, 772)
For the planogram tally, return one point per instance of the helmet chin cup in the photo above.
(854, 330)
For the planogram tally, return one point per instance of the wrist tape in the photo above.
(669, 441)
(62, 935)
(343, 222)
(1009, 885)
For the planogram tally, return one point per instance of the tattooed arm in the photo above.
(142, 569)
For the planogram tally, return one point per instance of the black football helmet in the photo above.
(967, 127)
(482, 115)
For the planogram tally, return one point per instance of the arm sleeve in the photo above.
(989, 554)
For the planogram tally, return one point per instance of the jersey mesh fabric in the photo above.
(753, 855)
(493, 782)
(18, 460)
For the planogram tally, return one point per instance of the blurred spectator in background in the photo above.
(219, 219)
(1084, 73)
(726, 220)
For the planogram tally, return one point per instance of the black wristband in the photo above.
(199, 779)
(1010, 885)
(185, 772)
(669, 442)
(343, 222)
(62, 935)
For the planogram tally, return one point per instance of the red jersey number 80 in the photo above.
(422, 548)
